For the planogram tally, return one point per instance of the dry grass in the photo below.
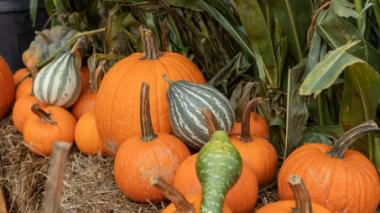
(88, 187)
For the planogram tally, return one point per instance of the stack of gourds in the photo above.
(151, 107)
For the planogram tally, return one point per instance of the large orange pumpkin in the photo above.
(86, 136)
(20, 75)
(22, 110)
(180, 203)
(47, 126)
(242, 196)
(24, 88)
(146, 155)
(339, 179)
(117, 111)
(7, 88)
(301, 204)
(258, 152)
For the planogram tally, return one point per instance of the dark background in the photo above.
(16, 29)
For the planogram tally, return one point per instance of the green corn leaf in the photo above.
(327, 71)
(33, 7)
(344, 8)
(49, 6)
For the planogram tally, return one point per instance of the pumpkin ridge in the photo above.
(181, 66)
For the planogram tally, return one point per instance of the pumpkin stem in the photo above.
(347, 139)
(179, 201)
(246, 122)
(303, 201)
(150, 49)
(209, 117)
(44, 36)
(43, 115)
(166, 78)
(147, 133)
(94, 74)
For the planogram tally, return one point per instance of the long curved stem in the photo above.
(346, 140)
(43, 115)
(212, 126)
(303, 201)
(150, 49)
(245, 121)
(147, 133)
(179, 201)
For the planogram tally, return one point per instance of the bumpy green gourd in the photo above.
(218, 168)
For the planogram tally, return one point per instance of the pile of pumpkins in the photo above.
(153, 109)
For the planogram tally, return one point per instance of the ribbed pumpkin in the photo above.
(180, 203)
(339, 179)
(24, 88)
(22, 110)
(20, 75)
(118, 97)
(259, 127)
(47, 126)
(7, 88)
(186, 103)
(258, 152)
(58, 83)
(144, 156)
(301, 204)
(86, 135)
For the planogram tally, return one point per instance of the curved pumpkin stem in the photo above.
(246, 123)
(166, 78)
(352, 135)
(303, 201)
(150, 49)
(212, 126)
(94, 77)
(147, 133)
(43, 115)
(179, 201)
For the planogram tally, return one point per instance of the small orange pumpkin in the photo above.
(24, 88)
(47, 126)
(258, 152)
(118, 98)
(144, 156)
(179, 203)
(22, 110)
(20, 75)
(7, 88)
(301, 204)
(86, 135)
(342, 180)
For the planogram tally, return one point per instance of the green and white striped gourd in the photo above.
(58, 83)
(186, 101)
(218, 168)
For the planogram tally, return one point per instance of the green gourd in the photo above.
(218, 168)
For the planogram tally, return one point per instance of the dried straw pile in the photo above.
(89, 184)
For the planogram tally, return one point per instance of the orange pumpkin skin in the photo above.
(40, 136)
(287, 206)
(85, 103)
(259, 127)
(117, 111)
(242, 196)
(196, 202)
(342, 185)
(19, 75)
(137, 161)
(260, 155)
(84, 78)
(21, 110)
(86, 135)
(24, 88)
(7, 88)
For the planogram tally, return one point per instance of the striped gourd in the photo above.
(186, 103)
(218, 168)
(58, 83)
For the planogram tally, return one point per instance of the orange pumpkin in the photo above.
(180, 203)
(242, 196)
(85, 103)
(259, 127)
(20, 75)
(84, 78)
(86, 135)
(7, 88)
(22, 110)
(47, 126)
(339, 179)
(258, 152)
(147, 155)
(301, 204)
(118, 97)
(24, 88)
